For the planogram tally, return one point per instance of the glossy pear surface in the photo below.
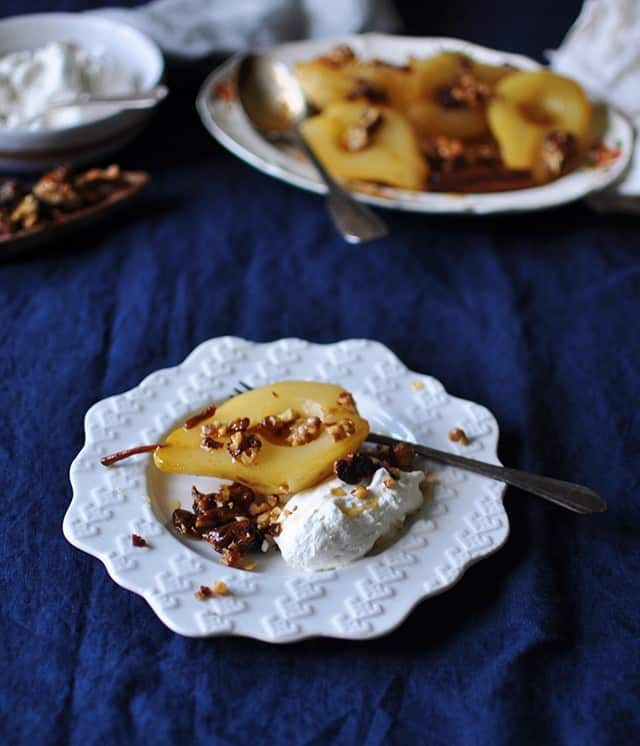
(278, 468)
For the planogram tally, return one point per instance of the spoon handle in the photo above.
(571, 496)
(141, 100)
(356, 222)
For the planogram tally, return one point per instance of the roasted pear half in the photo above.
(325, 83)
(527, 106)
(386, 153)
(277, 439)
(453, 90)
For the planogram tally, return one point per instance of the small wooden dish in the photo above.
(25, 241)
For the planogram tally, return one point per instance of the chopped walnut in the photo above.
(239, 425)
(97, 183)
(389, 483)
(218, 589)
(340, 55)
(56, 190)
(26, 212)
(358, 136)
(369, 90)
(465, 91)
(111, 173)
(361, 492)
(258, 508)
(289, 427)
(341, 430)
(209, 444)
(230, 558)
(236, 495)
(138, 541)
(244, 447)
(445, 153)
(346, 401)
(215, 429)
(557, 149)
(276, 424)
(338, 492)
(270, 518)
(219, 429)
(404, 456)
(204, 592)
(458, 435)
(289, 415)
(304, 431)
(55, 197)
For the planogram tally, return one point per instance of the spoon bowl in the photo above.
(275, 104)
(271, 95)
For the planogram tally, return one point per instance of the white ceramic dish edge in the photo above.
(464, 522)
(227, 123)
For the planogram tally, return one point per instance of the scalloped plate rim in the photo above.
(120, 579)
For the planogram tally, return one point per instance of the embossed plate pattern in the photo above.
(464, 521)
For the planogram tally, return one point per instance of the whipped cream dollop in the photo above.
(33, 79)
(322, 528)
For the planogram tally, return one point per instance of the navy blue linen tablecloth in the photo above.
(535, 316)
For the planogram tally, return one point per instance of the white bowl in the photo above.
(129, 49)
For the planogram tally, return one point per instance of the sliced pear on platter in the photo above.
(389, 153)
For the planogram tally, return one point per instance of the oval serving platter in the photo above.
(227, 122)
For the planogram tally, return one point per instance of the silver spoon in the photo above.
(274, 102)
(575, 497)
(141, 100)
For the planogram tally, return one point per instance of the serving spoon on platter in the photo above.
(574, 497)
(275, 104)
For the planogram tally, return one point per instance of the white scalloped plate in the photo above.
(227, 122)
(464, 521)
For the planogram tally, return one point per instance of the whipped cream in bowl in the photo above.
(47, 58)
(32, 80)
(333, 524)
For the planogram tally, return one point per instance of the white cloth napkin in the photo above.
(191, 29)
(602, 52)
